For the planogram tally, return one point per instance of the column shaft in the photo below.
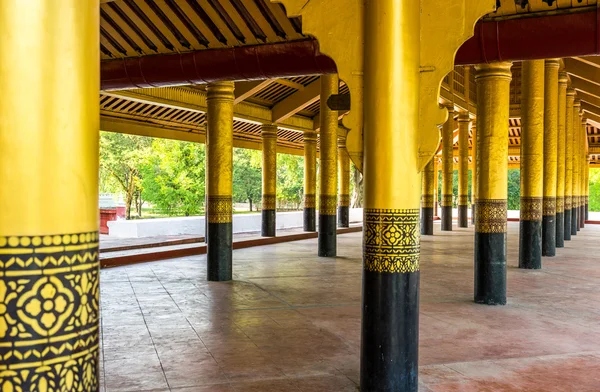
(587, 187)
(344, 184)
(560, 152)
(390, 323)
(473, 171)
(576, 167)
(447, 170)
(329, 163)
(493, 87)
(532, 164)
(582, 173)
(219, 154)
(569, 163)
(49, 217)
(427, 199)
(310, 181)
(550, 159)
(436, 176)
(463, 169)
(269, 180)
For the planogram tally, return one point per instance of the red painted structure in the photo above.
(106, 215)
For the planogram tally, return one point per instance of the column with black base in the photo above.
(473, 170)
(219, 154)
(310, 181)
(328, 170)
(561, 159)
(269, 180)
(532, 164)
(550, 159)
(447, 170)
(569, 162)
(583, 167)
(463, 169)
(587, 187)
(493, 86)
(344, 184)
(576, 166)
(427, 199)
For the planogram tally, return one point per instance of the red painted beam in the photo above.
(256, 62)
(552, 36)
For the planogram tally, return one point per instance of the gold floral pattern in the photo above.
(560, 205)
(269, 202)
(490, 215)
(446, 201)
(219, 209)
(327, 204)
(549, 206)
(310, 201)
(568, 202)
(427, 201)
(344, 201)
(391, 240)
(49, 313)
(531, 209)
(463, 200)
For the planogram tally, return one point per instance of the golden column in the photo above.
(219, 153)
(447, 169)
(587, 187)
(310, 180)
(436, 185)
(532, 164)
(463, 169)
(49, 222)
(473, 171)
(269, 180)
(328, 169)
(390, 311)
(576, 166)
(583, 172)
(569, 162)
(560, 152)
(427, 193)
(344, 184)
(550, 157)
(493, 88)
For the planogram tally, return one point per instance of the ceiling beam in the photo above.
(591, 112)
(582, 70)
(591, 60)
(589, 98)
(296, 102)
(585, 86)
(245, 90)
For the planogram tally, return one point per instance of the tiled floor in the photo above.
(290, 321)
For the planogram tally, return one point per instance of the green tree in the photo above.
(121, 157)
(594, 201)
(290, 178)
(514, 189)
(247, 175)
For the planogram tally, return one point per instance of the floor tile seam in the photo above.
(152, 339)
(297, 307)
(301, 276)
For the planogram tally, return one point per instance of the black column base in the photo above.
(327, 244)
(490, 268)
(587, 212)
(268, 223)
(560, 230)
(582, 217)
(310, 219)
(463, 218)
(426, 220)
(574, 221)
(219, 252)
(549, 235)
(344, 216)
(473, 214)
(530, 244)
(446, 218)
(567, 224)
(390, 332)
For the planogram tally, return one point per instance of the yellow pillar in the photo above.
(310, 180)
(576, 167)
(436, 174)
(493, 88)
(473, 171)
(561, 157)
(463, 169)
(582, 173)
(328, 169)
(344, 184)
(427, 198)
(447, 170)
(269, 180)
(532, 164)
(587, 188)
(392, 189)
(49, 112)
(569, 163)
(219, 154)
(550, 159)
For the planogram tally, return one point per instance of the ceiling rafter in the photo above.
(296, 102)
(245, 90)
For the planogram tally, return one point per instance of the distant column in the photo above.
(219, 154)
(463, 169)
(569, 162)
(344, 184)
(582, 173)
(436, 184)
(269, 180)
(560, 152)
(447, 170)
(576, 166)
(427, 199)
(473, 171)
(310, 180)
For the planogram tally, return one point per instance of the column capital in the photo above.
(552, 63)
(450, 107)
(570, 92)
(269, 130)
(577, 102)
(495, 70)
(464, 117)
(310, 137)
(220, 91)
(563, 78)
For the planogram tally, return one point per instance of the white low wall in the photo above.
(243, 223)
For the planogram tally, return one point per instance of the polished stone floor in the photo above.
(290, 321)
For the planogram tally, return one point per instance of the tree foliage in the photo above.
(247, 176)
(290, 179)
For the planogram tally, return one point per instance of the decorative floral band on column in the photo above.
(269, 202)
(463, 200)
(427, 201)
(310, 201)
(549, 206)
(491, 216)
(568, 203)
(219, 209)
(49, 313)
(344, 201)
(391, 240)
(531, 209)
(560, 205)
(327, 204)
(446, 200)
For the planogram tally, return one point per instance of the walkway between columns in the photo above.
(290, 321)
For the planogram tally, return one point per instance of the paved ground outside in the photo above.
(291, 321)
